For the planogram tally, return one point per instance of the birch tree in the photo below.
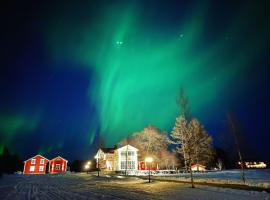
(236, 132)
(203, 150)
(182, 102)
(178, 136)
(192, 141)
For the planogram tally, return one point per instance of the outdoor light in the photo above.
(149, 160)
(87, 166)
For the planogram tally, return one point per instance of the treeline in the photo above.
(10, 163)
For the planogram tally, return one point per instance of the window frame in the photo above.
(56, 166)
(41, 167)
(32, 168)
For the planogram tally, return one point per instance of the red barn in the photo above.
(35, 165)
(58, 165)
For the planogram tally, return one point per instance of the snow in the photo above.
(88, 186)
(254, 177)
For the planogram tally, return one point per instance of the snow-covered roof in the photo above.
(59, 157)
(128, 147)
(198, 165)
(36, 156)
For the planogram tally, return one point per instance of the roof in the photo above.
(127, 147)
(36, 156)
(108, 150)
(59, 157)
(198, 165)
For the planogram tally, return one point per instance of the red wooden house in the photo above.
(35, 165)
(198, 167)
(58, 165)
(145, 166)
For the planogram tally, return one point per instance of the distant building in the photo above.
(198, 167)
(58, 165)
(121, 159)
(36, 165)
(255, 165)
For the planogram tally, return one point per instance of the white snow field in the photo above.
(86, 186)
(254, 177)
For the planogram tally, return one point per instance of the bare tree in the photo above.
(220, 164)
(235, 131)
(168, 160)
(178, 135)
(192, 142)
(182, 102)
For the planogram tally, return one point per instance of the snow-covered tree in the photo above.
(192, 141)
(152, 142)
(220, 164)
(202, 143)
(179, 137)
(182, 102)
(168, 160)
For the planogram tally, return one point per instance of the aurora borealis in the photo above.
(72, 71)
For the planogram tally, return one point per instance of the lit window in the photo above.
(57, 166)
(130, 164)
(41, 161)
(123, 164)
(33, 161)
(41, 168)
(32, 168)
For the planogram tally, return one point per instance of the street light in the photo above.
(87, 166)
(149, 160)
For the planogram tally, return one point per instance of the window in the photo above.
(41, 168)
(129, 153)
(41, 161)
(33, 161)
(57, 166)
(32, 168)
(130, 164)
(123, 164)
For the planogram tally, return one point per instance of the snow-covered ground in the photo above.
(254, 177)
(86, 186)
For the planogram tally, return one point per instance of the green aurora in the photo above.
(139, 70)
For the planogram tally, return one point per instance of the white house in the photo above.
(121, 159)
(127, 158)
(105, 159)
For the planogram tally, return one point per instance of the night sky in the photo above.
(74, 70)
